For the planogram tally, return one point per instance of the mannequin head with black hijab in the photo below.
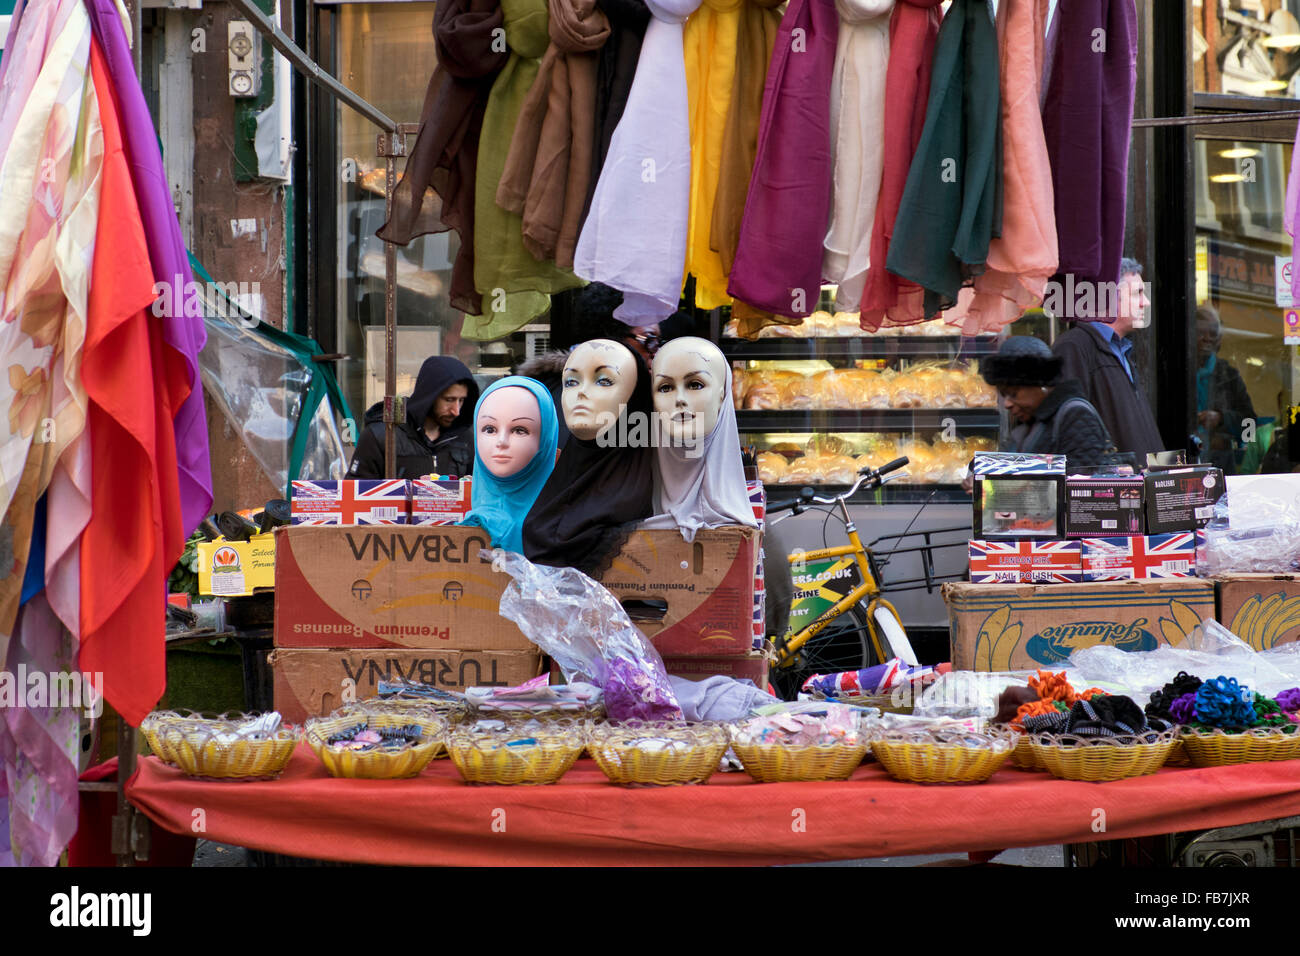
(602, 485)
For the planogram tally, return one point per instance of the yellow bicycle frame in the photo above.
(868, 588)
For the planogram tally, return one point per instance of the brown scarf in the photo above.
(436, 192)
(549, 163)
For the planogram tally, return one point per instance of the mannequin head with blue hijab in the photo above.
(507, 478)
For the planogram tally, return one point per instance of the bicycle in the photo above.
(863, 628)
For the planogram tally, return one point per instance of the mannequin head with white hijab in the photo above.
(699, 476)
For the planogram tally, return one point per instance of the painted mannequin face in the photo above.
(599, 376)
(689, 379)
(508, 430)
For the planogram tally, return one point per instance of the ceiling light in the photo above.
(1239, 152)
(1228, 178)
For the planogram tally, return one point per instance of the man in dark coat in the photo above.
(437, 437)
(1222, 402)
(1098, 356)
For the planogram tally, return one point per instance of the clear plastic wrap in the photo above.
(1209, 651)
(967, 693)
(260, 388)
(585, 630)
(1256, 533)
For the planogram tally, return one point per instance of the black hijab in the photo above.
(596, 494)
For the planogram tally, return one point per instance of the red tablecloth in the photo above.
(438, 819)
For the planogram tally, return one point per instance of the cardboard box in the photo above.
(411, 587)
(1098, 507)
(236, 568)
(758, 500)
(1182, 499)
(440, 501)
(1045, 562)
(314, 682)
(1261, 609)
(752, 667)
(1018, 496)
(352, 501)
(427, 587)
(707, 584)
(1140, 556)
(1001, 627)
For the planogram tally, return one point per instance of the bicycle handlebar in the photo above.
(868, 475)
(886, 468)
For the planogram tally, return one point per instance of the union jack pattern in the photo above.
(351, 501)
(1140, 556)
(1026, 562)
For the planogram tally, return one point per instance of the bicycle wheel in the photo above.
(843, 645)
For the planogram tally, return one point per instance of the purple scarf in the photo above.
(778, 264)
(167, 255)
(1086, 122)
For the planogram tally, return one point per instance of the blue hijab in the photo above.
(501, 504)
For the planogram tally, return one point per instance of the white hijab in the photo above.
(634, 238)
(707, 490)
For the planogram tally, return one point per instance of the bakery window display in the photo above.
(819, 400)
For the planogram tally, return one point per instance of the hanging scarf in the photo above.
(444, 158)
(615, 71)
(596, 493)
(952, 204)
(759, 23)
(500, 504)
(778, 264)
(634, 238)
(703, 488)
(710, 39)
(545, 177)
(857, 143)
(1086, 123)
(913, 30)
(1024, 258)
(513, 284)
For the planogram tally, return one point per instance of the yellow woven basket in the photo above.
(1099, 759)
(656, 753)
(155, 723)
(1217, 749)
(508, 757)
(1024, 757)
(777, 762)
(213, 749)
(920, 757)
(376, 764)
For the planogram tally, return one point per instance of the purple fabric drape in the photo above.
(1087, 119)
(167, 255)
(778, 264)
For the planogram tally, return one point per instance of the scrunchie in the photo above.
(1162, 701)
(1289, 700)
(1225, 704)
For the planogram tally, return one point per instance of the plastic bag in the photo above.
(1258, 532)
(586, 631)
(967, 693)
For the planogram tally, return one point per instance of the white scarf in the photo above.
(858, 129)
(634, 238)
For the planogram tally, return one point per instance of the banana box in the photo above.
(1005, 627)
(236, 568)
(1261, 609)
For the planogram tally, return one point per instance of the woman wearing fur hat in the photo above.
(1050, 417)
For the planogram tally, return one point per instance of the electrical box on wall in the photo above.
(244, 46)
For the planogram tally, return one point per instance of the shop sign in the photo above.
(1291, 327)
(1242, 272)
(1282, 281)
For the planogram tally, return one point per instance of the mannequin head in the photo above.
(507, 431)
(599, 377)
(690, 384)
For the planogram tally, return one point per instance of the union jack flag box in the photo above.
(758, 500)
(1026, 562)
(1018, 497)
(351, 501)
(1016, 463)
(440, 500)
(1140, 556)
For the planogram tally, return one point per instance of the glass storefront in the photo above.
(1246, 47)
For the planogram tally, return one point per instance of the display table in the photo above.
(437, 819)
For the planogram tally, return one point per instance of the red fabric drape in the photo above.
(133, 385)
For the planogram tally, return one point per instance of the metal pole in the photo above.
(391, 418)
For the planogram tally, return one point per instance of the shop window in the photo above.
(1246, 47)
(1244, 375)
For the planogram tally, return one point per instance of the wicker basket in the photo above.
(777, 762)
(1217, 749)
(217, 750)
(1098, 759)
(376, 764)
(506, 757)
(589, 713)
(155, 723)
(928, 757)
(1023, 756)
(657, 753)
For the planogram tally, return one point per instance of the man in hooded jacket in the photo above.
(436, 438)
